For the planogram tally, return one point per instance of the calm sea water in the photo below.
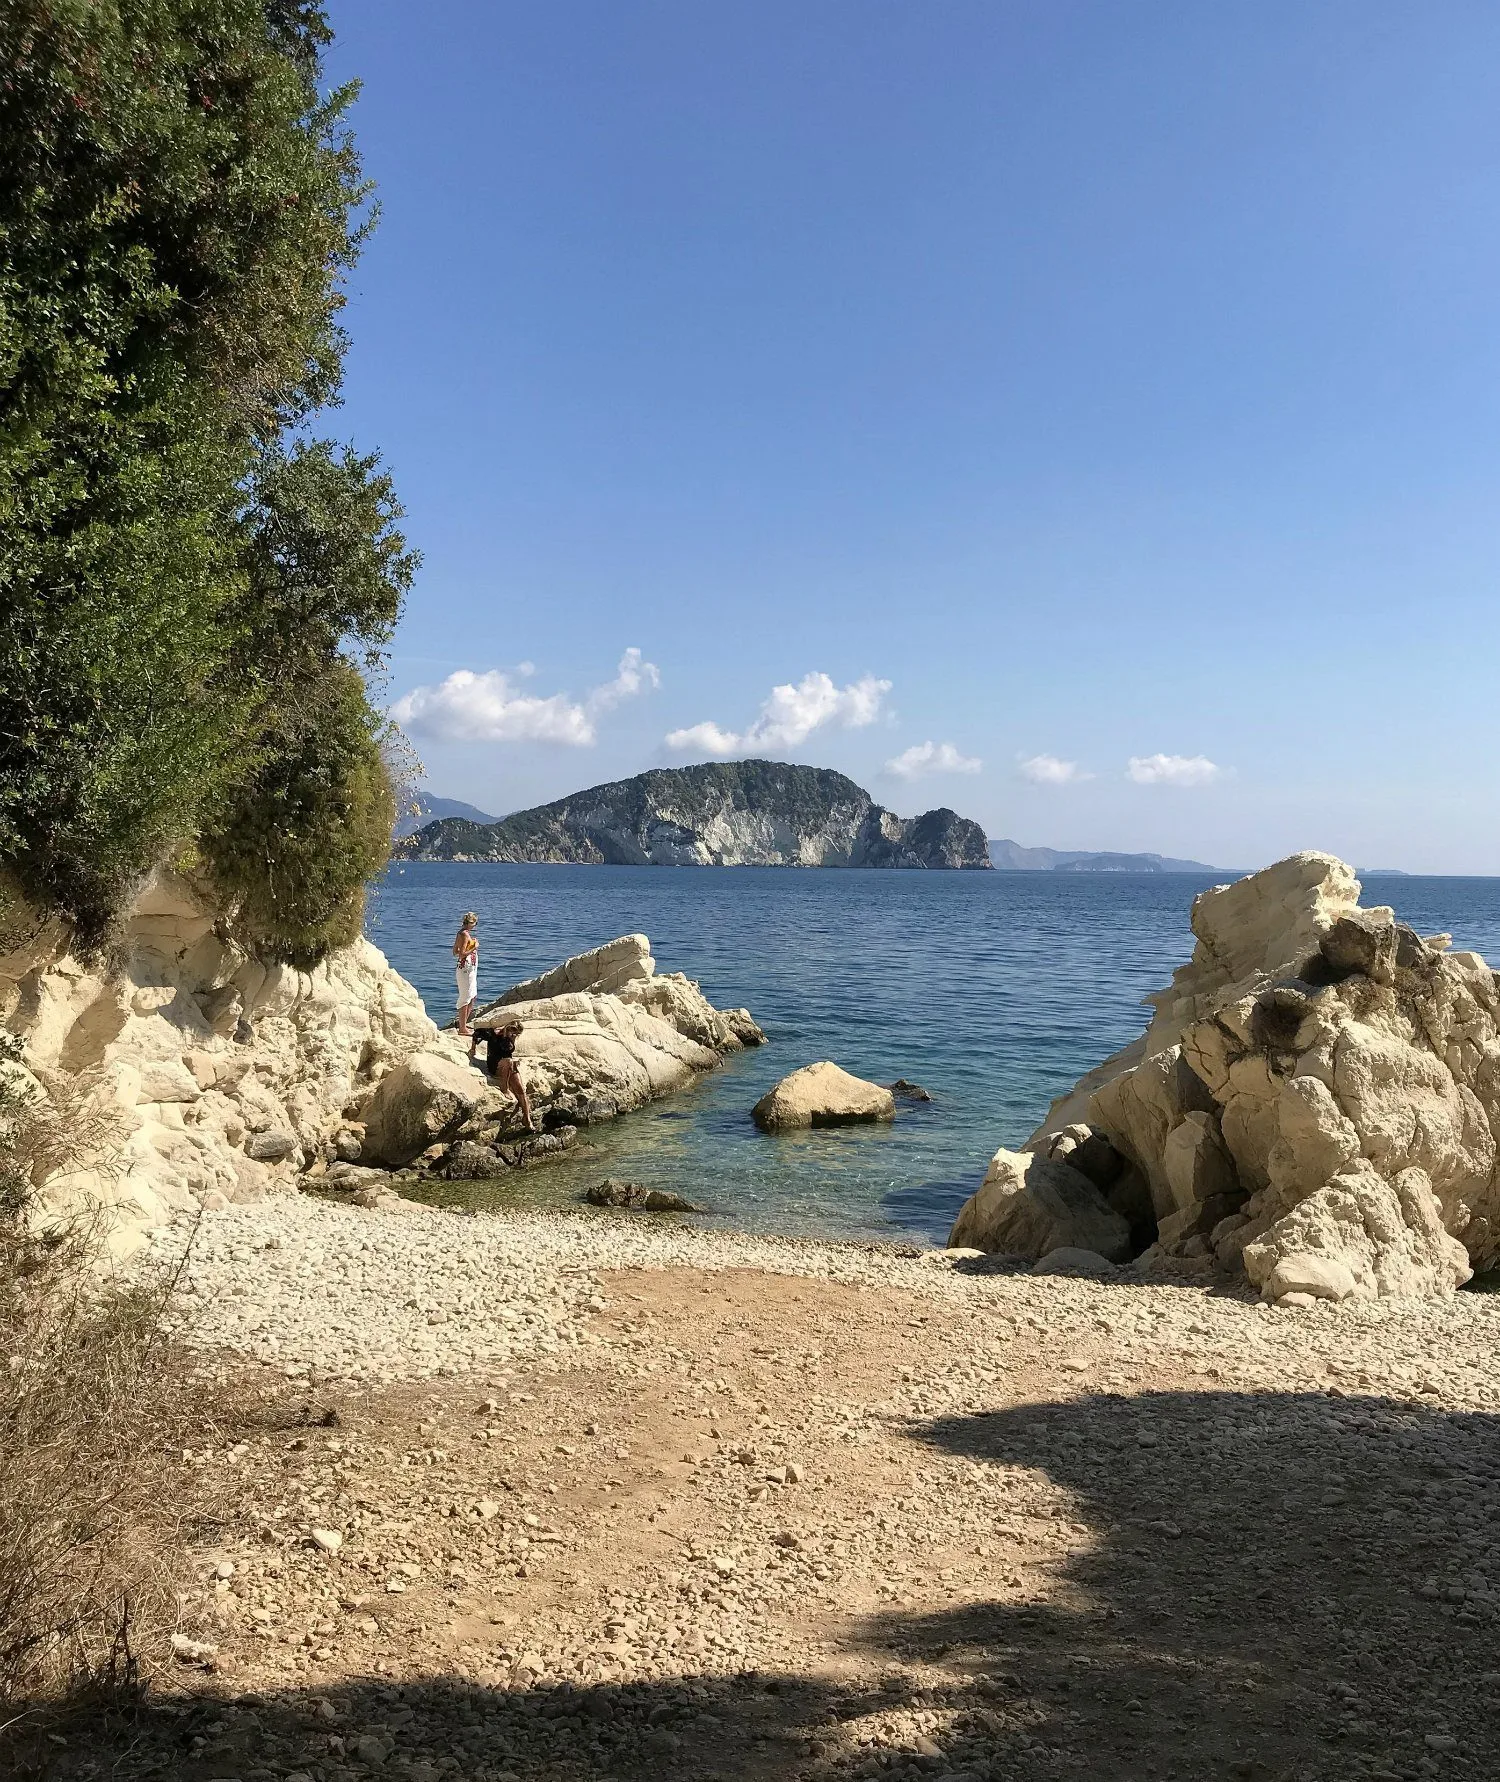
(993, 990)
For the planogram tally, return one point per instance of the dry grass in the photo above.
(94, 1411)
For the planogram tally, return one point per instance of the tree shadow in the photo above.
(1204, 1584)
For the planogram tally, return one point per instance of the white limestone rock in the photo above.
(1031, 1206)
(424, 1099)
(230, 1071)
(607, 970)
(822, 1094)
(676, 999)
(1318, 1082)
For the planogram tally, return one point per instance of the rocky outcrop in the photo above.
(1314, 1101)
(624, 969)
(1031, 1206)
(722, 813)
(635, 1195)
(821, 1095)
(227, 1076)
(226, 1073)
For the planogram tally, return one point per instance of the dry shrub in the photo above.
(93, 1413)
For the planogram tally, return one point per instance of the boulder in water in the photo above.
(615, 1193)
(821, 1095)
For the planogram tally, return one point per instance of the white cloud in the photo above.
(470, 707)
(706, 739)
(1048, 770)
(634, 675)
(926, 758)
(1171, 770)
(789, 715)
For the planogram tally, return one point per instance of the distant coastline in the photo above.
(1010, 856)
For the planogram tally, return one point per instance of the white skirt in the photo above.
(467, 977)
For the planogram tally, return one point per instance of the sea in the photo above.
(993, 990)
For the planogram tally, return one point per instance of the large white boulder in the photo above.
(606, 970)
(822, 1095)
(593, 1056)
(1031, 1206)
(425, 1098)
(1316, 1097)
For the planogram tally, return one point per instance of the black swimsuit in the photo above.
(496, 1045)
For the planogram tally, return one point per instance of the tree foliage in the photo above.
(296, 841)
(178, 566)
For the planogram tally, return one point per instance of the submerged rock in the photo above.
(615, 1193)
(1314, 1101)
(821, 1095)
(908, 1091)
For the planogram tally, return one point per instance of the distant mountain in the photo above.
(1010, 856)
(720, 813)
(428, 807)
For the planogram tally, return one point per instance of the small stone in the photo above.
(329, 1539)
(793, 1474)
(224, 1569)
(487, 1507)
(193, 1651)
(1297, 1302)
(270, 1146)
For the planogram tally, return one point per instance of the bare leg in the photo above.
(510, 1081)
(465, 1015)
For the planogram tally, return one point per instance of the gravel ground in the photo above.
(693, 1506)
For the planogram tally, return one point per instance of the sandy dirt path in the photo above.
(763, 1526)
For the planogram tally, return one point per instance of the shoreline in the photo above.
(406, 1292)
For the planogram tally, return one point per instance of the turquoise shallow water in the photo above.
(993, 990)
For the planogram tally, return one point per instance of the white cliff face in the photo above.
(225, 1071)
(1314, 1101)
(227, 1075)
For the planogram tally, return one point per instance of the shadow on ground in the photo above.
(1256, 1586)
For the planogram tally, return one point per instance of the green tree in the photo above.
(178, 203)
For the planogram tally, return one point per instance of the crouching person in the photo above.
(499, 1044)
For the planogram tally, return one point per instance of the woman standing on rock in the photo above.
(466, 952)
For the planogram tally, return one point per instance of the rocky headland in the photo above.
(1312, 1107)
(722, 813)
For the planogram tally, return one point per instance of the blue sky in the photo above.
(1059, 385)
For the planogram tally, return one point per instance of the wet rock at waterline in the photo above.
(821, 1095)
(905, 1091)
(615, 1193)
(1313, 1105)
